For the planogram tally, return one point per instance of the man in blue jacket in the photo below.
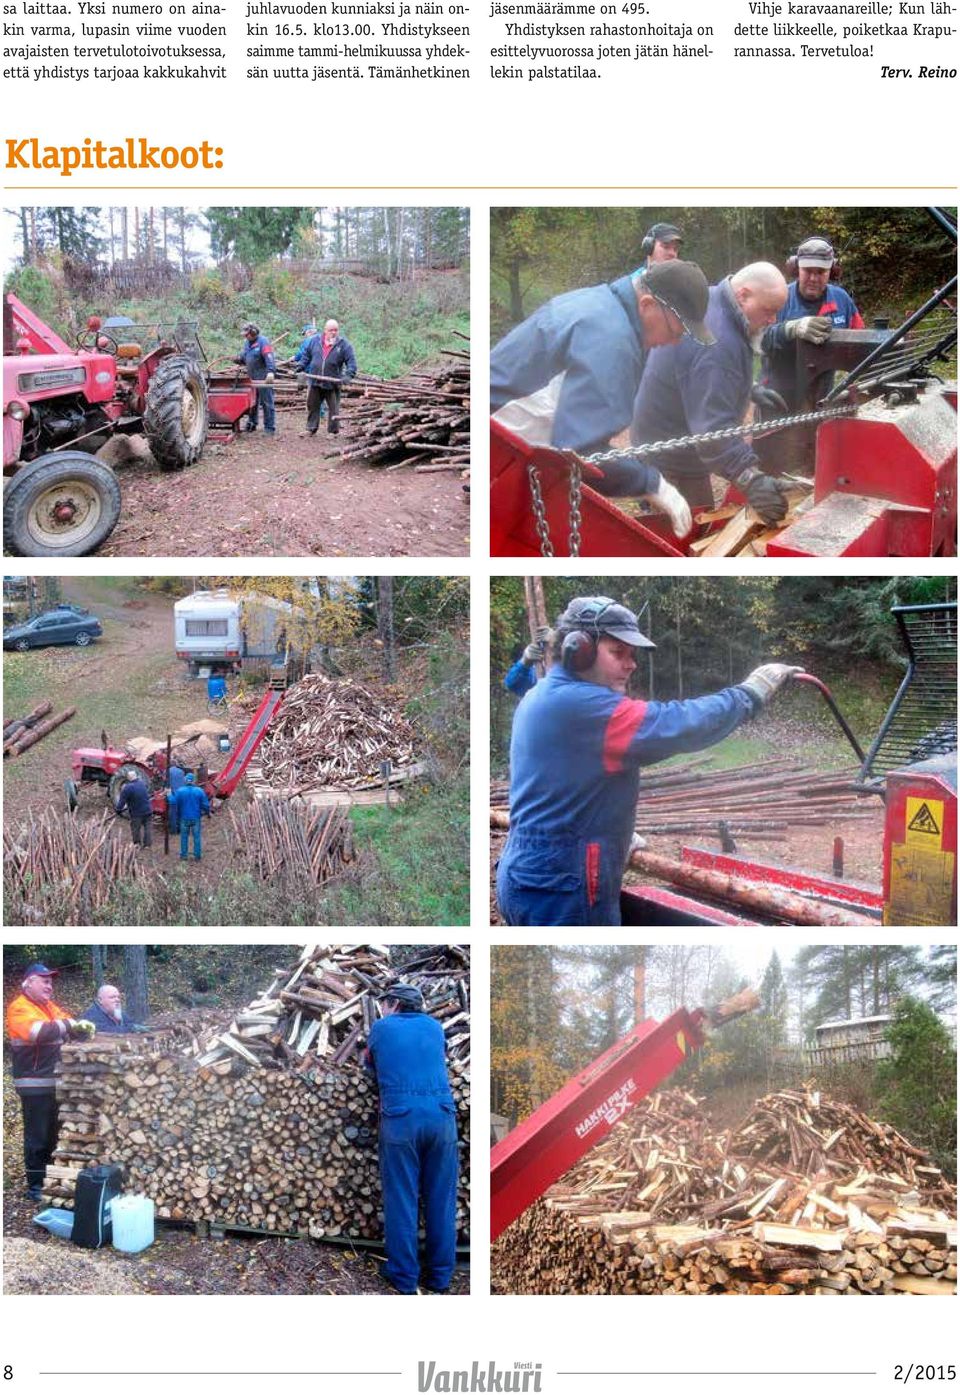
(107, 1014)
(256, 356)
(521, 676)
(135, 800)
(329, 361)
(815, 306)
(577, 747)
(406, 1051)
(688, 390)
(191, 803)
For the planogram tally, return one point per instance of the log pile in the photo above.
(422, 419)
(266, 1120)
(58, 870)
(333, 733)
(806, 1196)
(278, 839)
(23, 732)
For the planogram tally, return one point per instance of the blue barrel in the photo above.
(216, 689)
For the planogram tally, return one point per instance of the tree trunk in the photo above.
(135, 982)
(385, 627)
(516, 294)
(98, 954)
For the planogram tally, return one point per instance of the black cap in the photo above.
(41, 970)
(665, 232)
(816, 251)
(682, 288)
(599, 615)
(251, 326)
(404, 993)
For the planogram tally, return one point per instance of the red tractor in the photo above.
(110, 767)
(62, 403)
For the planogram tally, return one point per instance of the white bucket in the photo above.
(132, 1218)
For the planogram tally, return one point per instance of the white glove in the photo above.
(532, 654)
(270, 377)
(816, 329)
(766, 680)
(670, 501)
(637, 844)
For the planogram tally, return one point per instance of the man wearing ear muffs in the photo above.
(816, 305)
(576, 750)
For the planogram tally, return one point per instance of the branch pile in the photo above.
(277, 838)
(806, 1196)
(58, 870)
(266, 1120)
(333, 733)
(422, 419)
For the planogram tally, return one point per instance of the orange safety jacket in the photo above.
(36, 1032)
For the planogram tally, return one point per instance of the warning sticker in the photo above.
(924, 821)
(921, 885)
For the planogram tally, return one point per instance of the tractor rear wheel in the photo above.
(72, 791)
(175, 417)
(62, 505)
(119, 779)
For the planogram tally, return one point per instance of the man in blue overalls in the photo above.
(257, 357)
(190, 802)
(575, 755)
(418, 1141)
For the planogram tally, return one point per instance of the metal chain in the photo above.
(762, 428)
(539, 512)
(576, 488)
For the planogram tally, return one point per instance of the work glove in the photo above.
(766, 680)
(240, 360)
(763, 493)
(270, 377)
(769, 401)
(535, 650)
(301, 380)
(670, 501)
(816, 329)
(637, 843)
(81, 1027)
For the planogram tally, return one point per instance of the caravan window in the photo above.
(195, 628)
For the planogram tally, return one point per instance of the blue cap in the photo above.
(188, 778)
(41, 969)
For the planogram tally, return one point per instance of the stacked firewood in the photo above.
(333, 733)
(268, 1120)
(277, 839)
(807, 1196)
(58, 870)
(20, 733)
(422, 419)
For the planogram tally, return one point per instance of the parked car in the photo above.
(65, 624)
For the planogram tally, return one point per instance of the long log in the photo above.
(31, 737)
(769, 900)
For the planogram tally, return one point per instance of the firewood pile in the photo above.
(422, 419)
(265, 1120)
(333, 733)
(276, 838)
(806, 1196)
(58, 870)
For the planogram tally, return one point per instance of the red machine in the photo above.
(547, 1143)
(885, 485)
(62, 403)
(111, 767)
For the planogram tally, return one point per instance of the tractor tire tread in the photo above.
(162, 417)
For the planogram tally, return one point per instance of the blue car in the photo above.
(65, 624)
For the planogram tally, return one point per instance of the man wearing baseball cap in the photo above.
(406, 1050)
(661, 243)
(688, 390)
(567, 375)
(37, 1029)
(576, 750)
(815, 306)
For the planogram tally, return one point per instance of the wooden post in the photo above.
(536, 611)
(166, 809)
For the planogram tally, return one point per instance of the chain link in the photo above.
(629, 452)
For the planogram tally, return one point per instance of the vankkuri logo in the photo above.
(613, 1108)
(525, 1377)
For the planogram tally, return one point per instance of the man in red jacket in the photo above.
(37, 1029)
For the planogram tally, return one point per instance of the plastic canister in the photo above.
(132, 1223)
(57, 1220)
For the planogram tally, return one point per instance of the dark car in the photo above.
(65, 624)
